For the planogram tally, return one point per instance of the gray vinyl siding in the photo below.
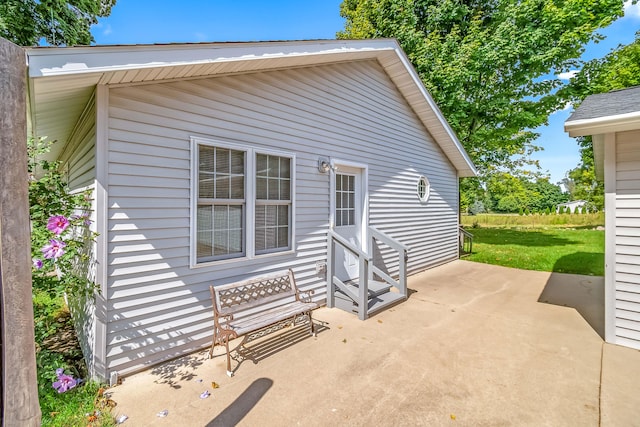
(79, 160)
(627, 212)
(159, 307)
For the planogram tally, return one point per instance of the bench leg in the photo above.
(311, 325)
(213, 342)
(229, 371)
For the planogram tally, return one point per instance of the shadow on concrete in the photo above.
(243, 404)
(177, 370)
(259, 346)
(585, 294)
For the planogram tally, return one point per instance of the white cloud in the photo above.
(566, 107)
(200, 37)
(568, 75)
(631, 10)
(105, 29)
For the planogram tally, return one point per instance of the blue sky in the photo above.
(163, 21)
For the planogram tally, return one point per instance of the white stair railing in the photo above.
(366, 269)
(402, 253)
(364, 260)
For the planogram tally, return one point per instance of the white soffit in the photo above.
(61, 80)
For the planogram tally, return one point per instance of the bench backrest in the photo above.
(240, 296)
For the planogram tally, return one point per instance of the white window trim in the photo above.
(250, 201)
(427, 194)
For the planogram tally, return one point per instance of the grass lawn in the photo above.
(560, 250)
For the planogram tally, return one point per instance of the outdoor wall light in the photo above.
(324, 165)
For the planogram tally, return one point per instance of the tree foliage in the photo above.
(59, 22)
(488, 63)
(617, 70)
(510, 194)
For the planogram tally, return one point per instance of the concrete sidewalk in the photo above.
(474, 345)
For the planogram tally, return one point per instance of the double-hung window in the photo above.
(273, 203)
(221, 203)
(243, 201)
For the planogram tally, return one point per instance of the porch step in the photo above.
(380, 296)
(376, 303)
(384, 301)
(376, 288)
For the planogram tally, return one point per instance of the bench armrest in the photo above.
(305, 296)
(223, 318)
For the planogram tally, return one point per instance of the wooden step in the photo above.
(376, 304)
(375, 288)
(384, 301)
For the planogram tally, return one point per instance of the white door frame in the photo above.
(364, 184)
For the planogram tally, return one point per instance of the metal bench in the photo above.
(253, 305)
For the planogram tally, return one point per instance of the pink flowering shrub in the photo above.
(65, 382)
(61, 242)
(57, 224)
(60, 235)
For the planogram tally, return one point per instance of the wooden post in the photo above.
(19, 403)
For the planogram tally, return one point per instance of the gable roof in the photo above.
(614, 111)
(62, 80)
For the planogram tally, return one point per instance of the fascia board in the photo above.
(601, 125)
(64, 61)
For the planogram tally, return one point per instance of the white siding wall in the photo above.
(627, 271)
(158, 307)
(81, 160)
(79, 157)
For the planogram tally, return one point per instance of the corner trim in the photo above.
(102, 227)
(610, 237)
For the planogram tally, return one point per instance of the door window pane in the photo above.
(345, 200)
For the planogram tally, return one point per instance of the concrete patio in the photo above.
(474, 345)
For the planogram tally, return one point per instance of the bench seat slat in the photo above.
(268, 317)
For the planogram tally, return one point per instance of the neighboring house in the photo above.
(571, 206)
(614, 121)
(215, 162)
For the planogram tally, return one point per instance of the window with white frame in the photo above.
(244, 201)
(221, 203)
(345, 200)
(423, 188)
(273, 202)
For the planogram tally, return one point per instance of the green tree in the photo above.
(59, 22)
(487, 62)
(507, 192)
(617, 70)
(544, 194)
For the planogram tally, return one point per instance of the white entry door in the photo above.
(349, 218)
